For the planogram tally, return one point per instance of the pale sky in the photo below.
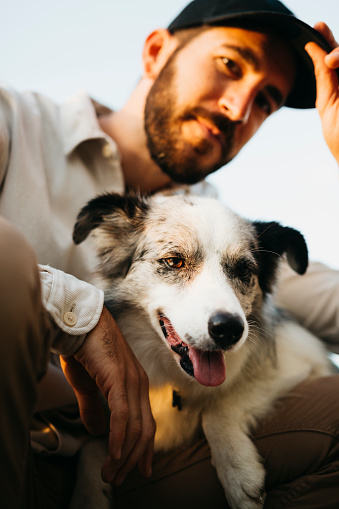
(286, 173)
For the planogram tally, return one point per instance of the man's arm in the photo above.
(96, 358)
(105, 362)
(313, 299)
(327, 101)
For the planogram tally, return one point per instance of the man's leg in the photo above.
(24, 346)
(300, 447)
(298, 443)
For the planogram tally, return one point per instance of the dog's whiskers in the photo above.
(262, 250)
(255, 327)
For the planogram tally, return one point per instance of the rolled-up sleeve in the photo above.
(73, 305)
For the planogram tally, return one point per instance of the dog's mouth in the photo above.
(206, 366)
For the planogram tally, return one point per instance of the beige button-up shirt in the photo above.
(53, 159)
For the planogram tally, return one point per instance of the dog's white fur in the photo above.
(223, 272)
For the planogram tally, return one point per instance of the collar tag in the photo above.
(176, 400)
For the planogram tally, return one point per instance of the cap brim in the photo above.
(294, 31)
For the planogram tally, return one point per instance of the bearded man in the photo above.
(210, 80)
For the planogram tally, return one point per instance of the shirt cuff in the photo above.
(74, 306)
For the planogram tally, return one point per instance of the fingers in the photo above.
(326, 78)
(138, 441)
(332, 59)
(92, 413)
(86, 391)
(317, 55)
(327, 101)
(143, 437)
(145, 463)
(141, 454)
(326, 32)
(110, 361)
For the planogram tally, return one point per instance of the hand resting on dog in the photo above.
(105, 362)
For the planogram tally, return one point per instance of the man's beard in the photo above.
(162, 126)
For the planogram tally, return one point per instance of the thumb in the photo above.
(87, 393)
(326, 78)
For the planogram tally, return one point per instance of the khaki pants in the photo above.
(24, 346)
(298, 443)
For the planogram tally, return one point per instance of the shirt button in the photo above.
(70, 318)
(107, 150)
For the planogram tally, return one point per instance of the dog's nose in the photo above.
(225, 328)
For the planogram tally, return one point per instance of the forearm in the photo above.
(313, 299)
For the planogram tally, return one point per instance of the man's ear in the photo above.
(158, 47)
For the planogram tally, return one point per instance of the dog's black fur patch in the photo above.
(121, 216)
(275, 240)
(95, 212)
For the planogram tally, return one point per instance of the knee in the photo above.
(301, 436)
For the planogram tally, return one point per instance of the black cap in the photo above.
(264, 13)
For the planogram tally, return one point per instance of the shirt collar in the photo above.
(79, 119)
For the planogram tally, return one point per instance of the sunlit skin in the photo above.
(204, 78)
(327, 87)
(235, 74)
(241, 75)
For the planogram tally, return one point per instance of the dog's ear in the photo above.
(274, 241)
(117, 221)
(110, 211)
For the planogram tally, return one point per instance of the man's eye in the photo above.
(231, 66)
(174, 262)
(263, 103)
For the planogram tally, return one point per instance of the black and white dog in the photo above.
(189, 283)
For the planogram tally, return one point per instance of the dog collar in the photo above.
(176, 400)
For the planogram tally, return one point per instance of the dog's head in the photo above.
(196, 269)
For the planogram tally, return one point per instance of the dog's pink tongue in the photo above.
(209, 367)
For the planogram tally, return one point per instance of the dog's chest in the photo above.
(176, 424)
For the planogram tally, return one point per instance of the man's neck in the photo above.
(141, 173)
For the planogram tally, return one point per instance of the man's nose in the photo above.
(237, 104)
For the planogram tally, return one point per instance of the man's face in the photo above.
(211, 96)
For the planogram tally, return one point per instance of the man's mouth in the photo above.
(204, 136)
(216, 126)
(206, 366)
(212, 131)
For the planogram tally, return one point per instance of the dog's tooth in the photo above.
(163, 328)
(176, 349)
(186, 364)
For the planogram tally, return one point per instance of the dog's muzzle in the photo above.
(206, 366)
(226, 329)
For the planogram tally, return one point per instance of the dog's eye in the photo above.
(174, 262)
(244, 271)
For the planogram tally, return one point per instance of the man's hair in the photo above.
(186, 35)
(271, 14)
